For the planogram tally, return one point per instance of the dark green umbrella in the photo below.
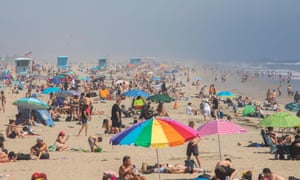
(248, 110)
(160, 98)
(294, 107)
(281, 120)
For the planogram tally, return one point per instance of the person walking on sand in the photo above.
(3, 101)
(192, 147)
(84, 118)
(116, 117)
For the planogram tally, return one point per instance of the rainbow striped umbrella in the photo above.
(156, 132)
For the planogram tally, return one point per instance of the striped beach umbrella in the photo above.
(156, 132)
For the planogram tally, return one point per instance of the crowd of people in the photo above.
(79, 108)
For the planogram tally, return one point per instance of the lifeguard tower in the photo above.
(102, 63)
(62, 63)
(135, 60)
(23, 66)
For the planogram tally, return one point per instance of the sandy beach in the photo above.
(86, 165)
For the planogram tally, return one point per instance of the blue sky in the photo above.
(200, 30)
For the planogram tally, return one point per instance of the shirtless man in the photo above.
(89, 102)
(271, 176)
(224, 169)
(39, 148)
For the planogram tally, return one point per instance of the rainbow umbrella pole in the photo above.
(156, 132)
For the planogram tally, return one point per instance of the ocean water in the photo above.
(277, 67)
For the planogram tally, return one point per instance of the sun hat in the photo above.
(39, 138)
(62, 133)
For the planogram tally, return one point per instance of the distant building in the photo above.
(23, 66)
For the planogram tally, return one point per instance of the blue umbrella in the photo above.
(56, 80)
(67, 93)
(225, 94)
(156, 78)
(197, 78)
(51, 90)
(174, 71)
(135, 93)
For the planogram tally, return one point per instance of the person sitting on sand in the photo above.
(269, 175)
(4, 157)
(3, 151)
(13, 130)
(224, 169)
(286, 139)
(61, 141)
(295, 148)
(127, 171)
(93, 142)
(189, 109)
(39, 149)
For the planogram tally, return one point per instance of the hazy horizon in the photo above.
(197, 30)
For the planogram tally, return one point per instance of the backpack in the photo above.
(201, 106)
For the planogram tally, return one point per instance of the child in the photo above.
(93, 142)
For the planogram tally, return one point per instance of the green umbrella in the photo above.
(160, 98)
(248, 109)
(281, 120)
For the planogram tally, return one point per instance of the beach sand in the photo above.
(84, 165)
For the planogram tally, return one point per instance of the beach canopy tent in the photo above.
(23, 66)
(40, 116)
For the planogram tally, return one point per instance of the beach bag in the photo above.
(201, 106)
(52, 147)
(45, 156)
(190, 164)
(22, 156)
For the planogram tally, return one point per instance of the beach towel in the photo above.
(255, 145)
